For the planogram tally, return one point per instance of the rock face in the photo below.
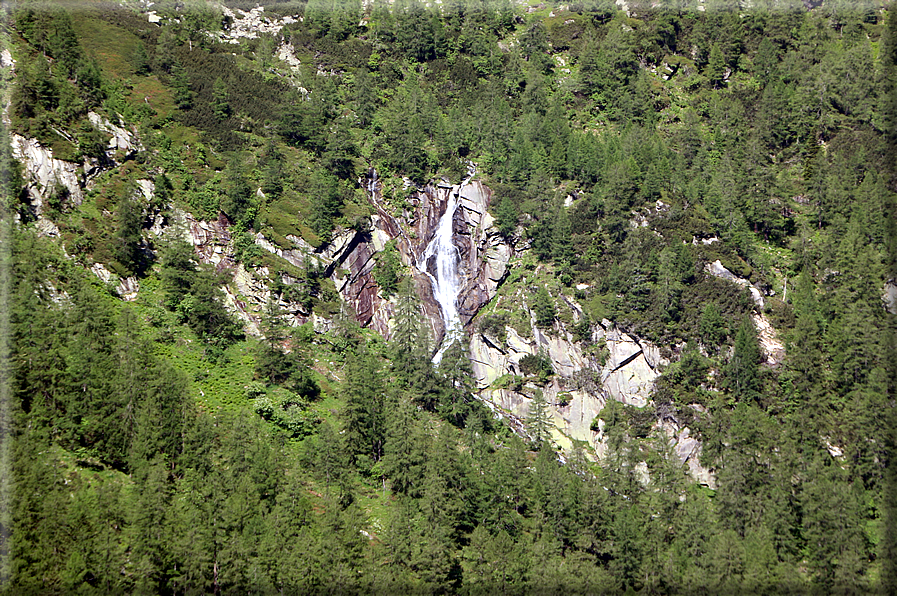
(688, 450)
(586, 376)
(45, 175)
(770, 345)
(582, 384)
(123, 142)
(889, 297)
(484, 254)
(351, 256)
(127, 288)
(772, 348)
(248, 293)
(210, 239)
(251, 24)
(717, 269)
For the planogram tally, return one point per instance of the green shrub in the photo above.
(544, 308)
(509, 382)
(494, 326)
(388, 270)
(582, 331)
(537, 365)
(246, 250)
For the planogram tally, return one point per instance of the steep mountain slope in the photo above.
(672, 264)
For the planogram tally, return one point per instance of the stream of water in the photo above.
(447, 281)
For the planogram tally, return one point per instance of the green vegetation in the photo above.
(159, 448)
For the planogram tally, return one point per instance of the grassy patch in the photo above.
(327, 408)
(111, 46)
(151, 91)
(217, 384)
(283, 215)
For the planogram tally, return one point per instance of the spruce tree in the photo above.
(538, 420)
(405, 449)
(713, 327)
(141, 60)
(408, 332)
(743, 370)
(544, 309)
(831, 525)
(716, 66)
(180, 81)
(561, 238)
(128, 236)
(364, 413)
(220, 104)
(457, 374)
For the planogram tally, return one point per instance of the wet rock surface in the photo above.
(352, 255)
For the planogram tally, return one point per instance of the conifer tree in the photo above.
(141, 60)
(148, 528)
(543, 307)
(220, 104)
(538, 420)
(561, 238)
(830, 525)
(180, 81)
(408, 332)
(364, 413)
(128, 235)
(457, 374)
(404, 451)
(743, 370)
(716, 66)
(713, 327)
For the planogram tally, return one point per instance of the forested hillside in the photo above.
(218, 325)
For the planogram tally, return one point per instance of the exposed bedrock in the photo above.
(352, 255)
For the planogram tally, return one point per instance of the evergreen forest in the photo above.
(191, 401)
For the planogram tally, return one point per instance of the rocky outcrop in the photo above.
(484, 253)
(287, 53)
(772, 348)
(127, 287)
(243, 24)
(717, 269)
(688, 451)
(298, 256)
(350, 258)
(123, 143)
(211, 239)
(248, 293)
(889, 297)
(613, 364)
(625, 376)
(45, 175)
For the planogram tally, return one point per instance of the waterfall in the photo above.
(447, 281)
(372, 185)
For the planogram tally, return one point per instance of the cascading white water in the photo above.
(372, 185)
(446, 282)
